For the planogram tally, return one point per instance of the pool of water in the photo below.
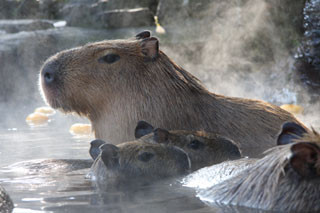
(44, 170)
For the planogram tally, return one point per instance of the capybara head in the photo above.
(139, 161)
(77, 79)
(203, 148)
(287, 179)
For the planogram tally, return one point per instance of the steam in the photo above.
(244, 56)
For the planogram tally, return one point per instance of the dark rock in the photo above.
(14, 26)
(308, 56)
(14, 9)
(6, 204)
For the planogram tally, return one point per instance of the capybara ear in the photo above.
(161, 135)
(150, 48)
(109, 155)
(305, 159)
(143, 128)
(94, 148)
(289, 132)
(143, 34)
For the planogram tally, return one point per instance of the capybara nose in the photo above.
(48, 75)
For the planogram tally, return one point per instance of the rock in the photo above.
(14, 26)
(14, 9)
(308, 56)
(126, 18)
(6, 204)
(106, 15)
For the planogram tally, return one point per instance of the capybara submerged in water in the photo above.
(137, 162)
(116, 83)
(203, 148)
(286, 179)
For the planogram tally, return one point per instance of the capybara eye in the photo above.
(146, 156)
(109, 58)
(195, 144)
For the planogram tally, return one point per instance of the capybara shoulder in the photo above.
(116, 83)
(203, 148)
(286, 179)
(138, 161)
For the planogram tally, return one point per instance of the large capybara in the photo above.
(203, 148)
(116, 83)
(6, 204)
(287, 179)
(137, 162)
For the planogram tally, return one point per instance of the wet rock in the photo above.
(49, 9)
(6, 204)
(13, 9)
(308, 56)
(14, 26)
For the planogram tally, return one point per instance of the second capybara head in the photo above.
(137, 161)
(203, 148)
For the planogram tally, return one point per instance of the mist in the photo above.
(246, 54)
(235, 47)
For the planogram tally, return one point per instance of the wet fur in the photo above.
(270, 184)
(168, 161)
(216, 148)
(116, 96)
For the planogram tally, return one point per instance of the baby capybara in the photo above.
(287, 179)
(136, 162)
(116, 83)
(203, 148)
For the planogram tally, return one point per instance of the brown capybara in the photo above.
(137, 162)
(204, 149)
(116, 83)
(287, 179)
(6, 204)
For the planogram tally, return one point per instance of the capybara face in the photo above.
(139, 161)
(204, 149)
(87, 78)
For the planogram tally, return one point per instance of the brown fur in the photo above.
(123, 163)
(203, 148)
(272, 183)
(137, 87)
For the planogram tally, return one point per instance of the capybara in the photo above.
(138, 162)
(203, 148)
(286, 179)
(116, 83)
(6, 204)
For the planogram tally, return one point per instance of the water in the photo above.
(44, 168)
